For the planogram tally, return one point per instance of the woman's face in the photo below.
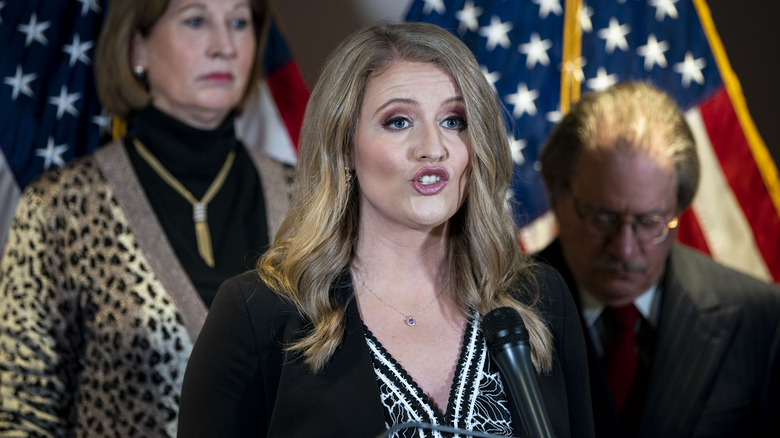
(198, 58)
(411, 150)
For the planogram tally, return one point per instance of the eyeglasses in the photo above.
(648, 228)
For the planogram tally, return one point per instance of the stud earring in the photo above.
(138, 71)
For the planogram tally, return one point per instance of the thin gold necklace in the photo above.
(199, 208)
(409, 319)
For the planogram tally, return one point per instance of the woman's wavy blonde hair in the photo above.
(317, 238)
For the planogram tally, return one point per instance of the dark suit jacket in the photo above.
(239, 383)
(716, 368)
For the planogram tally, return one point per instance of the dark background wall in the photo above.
(749, 29)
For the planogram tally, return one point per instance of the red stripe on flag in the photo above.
(736, 160)
(290, 95)
(689, 232)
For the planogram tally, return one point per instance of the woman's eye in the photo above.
(194, 21)
(455, 122)
(397, 123)
(239, 23)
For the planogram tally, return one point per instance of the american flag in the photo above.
(541, 54)
(49, 112)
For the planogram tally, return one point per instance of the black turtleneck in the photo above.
(236, 215)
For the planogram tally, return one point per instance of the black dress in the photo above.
(239, 383)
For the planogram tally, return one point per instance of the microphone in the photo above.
(507, 340)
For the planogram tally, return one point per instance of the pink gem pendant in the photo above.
(410, 321)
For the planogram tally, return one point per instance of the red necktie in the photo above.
(621, 357)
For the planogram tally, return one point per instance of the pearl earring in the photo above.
(138, 71)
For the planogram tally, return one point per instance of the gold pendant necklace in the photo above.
(199, 208)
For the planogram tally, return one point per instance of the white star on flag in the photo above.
(547, 6)
(467, 17)
(434, 5)
(34, 31)
(663, 8)
(690, 68)
(523, 101)
(102, 120)
(602, 80)
(517, 146)
(615, 35)
(510, 196)
(575, 68)
(536, 49)
(89, 5)
(584, 16)
(492, 78)
(64, 103)
(653, 52)
(20, 83)
(78, 50)
(496, 33)
(52, 154)
(554, 116)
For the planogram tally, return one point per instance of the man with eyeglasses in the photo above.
(679, 346)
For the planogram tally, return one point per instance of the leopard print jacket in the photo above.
(97, 318)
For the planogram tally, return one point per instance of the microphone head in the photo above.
(503, 326)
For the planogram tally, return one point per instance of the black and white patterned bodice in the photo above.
(477, 399)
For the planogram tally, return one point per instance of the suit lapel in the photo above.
(360, 387)
(345, 394)
(694, 331)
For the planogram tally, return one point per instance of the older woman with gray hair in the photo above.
(113, 260)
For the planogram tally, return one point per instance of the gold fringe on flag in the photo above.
(118, 128)
(572, 59)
